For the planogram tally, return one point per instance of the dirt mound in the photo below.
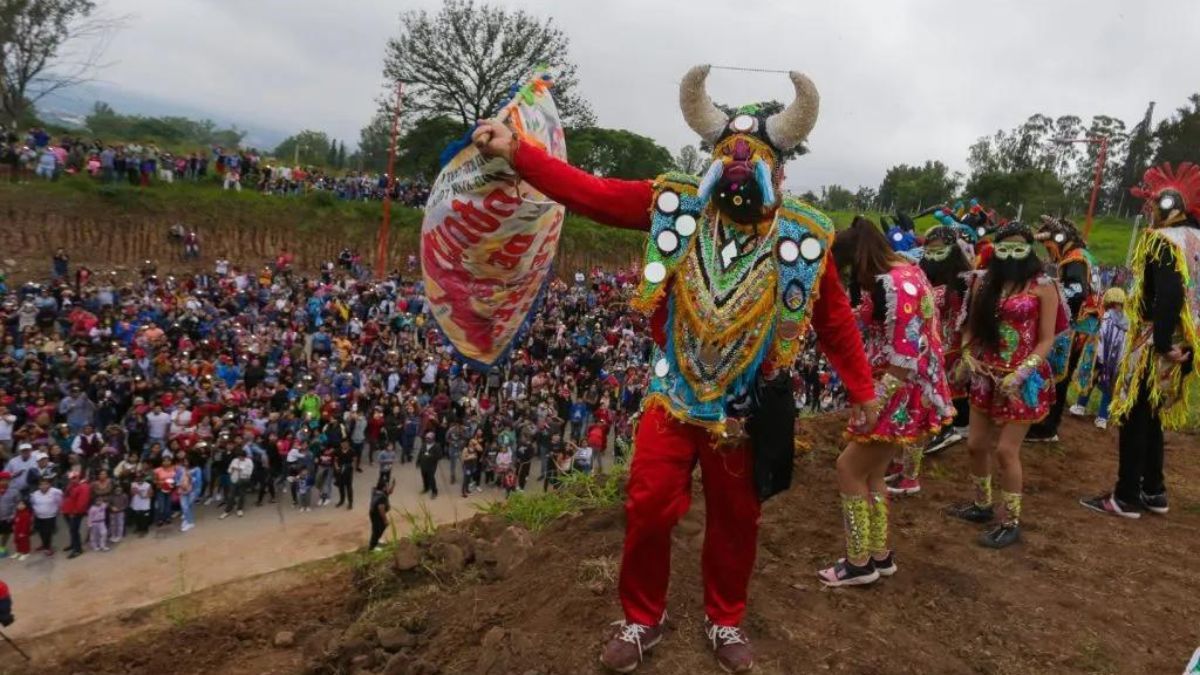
(1081, 594)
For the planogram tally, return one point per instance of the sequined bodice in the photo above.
(1018, 315)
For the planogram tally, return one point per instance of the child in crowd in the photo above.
(387, 457)
(582, 459)
(505, 476)
(97, 521)
(23, 530)
(303, 486)
(140, 504)
(118, 503)
(1109, 352)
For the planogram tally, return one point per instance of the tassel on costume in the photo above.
(856, 516)
(983, 491)
(1012, 507)
(877, 541)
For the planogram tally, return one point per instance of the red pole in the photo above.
(381, 255)
(1100, 157)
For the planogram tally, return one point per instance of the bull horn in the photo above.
(698, 110)
(789, 128)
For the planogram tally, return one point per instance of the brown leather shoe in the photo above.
(624, 650)
(731, 646)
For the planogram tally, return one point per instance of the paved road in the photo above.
(53, 593)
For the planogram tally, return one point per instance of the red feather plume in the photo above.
(1184, 179)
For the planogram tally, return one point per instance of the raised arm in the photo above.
(620, 203)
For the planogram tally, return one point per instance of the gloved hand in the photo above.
(1011, 384)
(963, 370)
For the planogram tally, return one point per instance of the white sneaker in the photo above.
(186, 526)
(240, 514)
(105, 548)
(1101, 423)
(1077, 410)
(223, 516)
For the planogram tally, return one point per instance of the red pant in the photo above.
(659, 493)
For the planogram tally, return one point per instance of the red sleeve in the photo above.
(620, 203)
(838, 335)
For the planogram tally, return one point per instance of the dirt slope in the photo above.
(1082, 594)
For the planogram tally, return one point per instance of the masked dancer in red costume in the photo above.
(735, 274)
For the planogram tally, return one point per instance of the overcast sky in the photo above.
(900, 81)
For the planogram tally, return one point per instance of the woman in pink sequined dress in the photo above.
(1014, 317)
(901, 335)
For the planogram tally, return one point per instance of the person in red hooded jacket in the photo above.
(76, 500)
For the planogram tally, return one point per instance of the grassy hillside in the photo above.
(104, 224)
(320, 217)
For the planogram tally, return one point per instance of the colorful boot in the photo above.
(980, 510)
(909, 482)
(1009, 530)
(856, 516)
(877, 539)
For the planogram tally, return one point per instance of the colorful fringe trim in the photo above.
(1168, 393)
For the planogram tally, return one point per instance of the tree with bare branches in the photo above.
(37, 50)
(463, 61)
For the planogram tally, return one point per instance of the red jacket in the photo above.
(627, 204)
(77, 499)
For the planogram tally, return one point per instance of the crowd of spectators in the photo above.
(128, 404)
(36, 155)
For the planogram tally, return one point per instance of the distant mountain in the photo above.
(69, 108)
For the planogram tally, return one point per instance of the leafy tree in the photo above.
(331, 155)
(1079, 182)
(689, 161)
(34, 36)
(836, 198)
(810, 197)
(617, 153)
(463, 61)
(375, 140)
(307, 147)
(1138, 153)
(341, 155)
(419, 148)
(104, 122)
(865, 198)
(909, 188)
(1179, 136)
(1038, 189)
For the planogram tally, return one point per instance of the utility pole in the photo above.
(382, 246)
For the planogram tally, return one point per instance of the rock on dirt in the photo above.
(502, 651)
(490, 526)
(457, 537)
(510, 550)
(395, 639)
(285, 638)
(318, 643)
(450, 557)
(407, 556)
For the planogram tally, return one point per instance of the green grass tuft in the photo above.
(577, 492)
